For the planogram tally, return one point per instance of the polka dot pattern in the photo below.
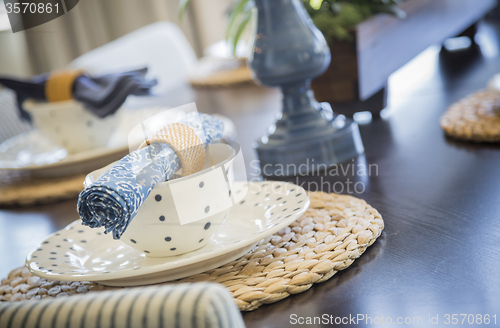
(70, 253)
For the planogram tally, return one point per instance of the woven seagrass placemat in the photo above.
(334, 232)
(218, 72)
(474, 118)
(22, 190)
(236, 76)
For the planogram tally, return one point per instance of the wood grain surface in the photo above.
(439, 253)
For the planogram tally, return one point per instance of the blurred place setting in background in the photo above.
(262, 163)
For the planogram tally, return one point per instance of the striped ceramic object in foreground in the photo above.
(183, 305)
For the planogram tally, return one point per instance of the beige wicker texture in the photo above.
(21, 190)
(184, 141)
(474, 118)
(236, 76)
(212, 72)
(334, 232)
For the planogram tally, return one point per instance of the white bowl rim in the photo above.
(32, 106)
(234, 146)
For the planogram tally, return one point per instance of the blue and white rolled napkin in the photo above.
(114, 199)
(206, 305)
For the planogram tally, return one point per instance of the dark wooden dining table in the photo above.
(438, 259)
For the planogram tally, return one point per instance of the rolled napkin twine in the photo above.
(114, 199)
(206, 305)
(102, 94)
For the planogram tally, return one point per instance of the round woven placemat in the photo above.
(474, 118)
(219, 72)
(334, 231)
(22, 190)
(237, 76)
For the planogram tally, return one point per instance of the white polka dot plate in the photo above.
(79, 253)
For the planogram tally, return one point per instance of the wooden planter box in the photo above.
(357, 77)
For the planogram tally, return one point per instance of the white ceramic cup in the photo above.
(159, 229)
(71, 126)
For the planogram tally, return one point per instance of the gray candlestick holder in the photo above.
(288, 51)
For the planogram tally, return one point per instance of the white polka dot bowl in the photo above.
(182, 215)
(71, 126)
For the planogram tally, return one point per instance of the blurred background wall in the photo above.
(93, 23)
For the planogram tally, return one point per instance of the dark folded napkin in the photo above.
(102, 95)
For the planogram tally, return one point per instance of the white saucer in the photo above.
(79, 253)
(33, 152)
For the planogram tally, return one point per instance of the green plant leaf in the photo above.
(181, 10)
(316, 4)
(234, 14)
(243, 22)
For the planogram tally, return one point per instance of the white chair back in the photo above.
(162, 47)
